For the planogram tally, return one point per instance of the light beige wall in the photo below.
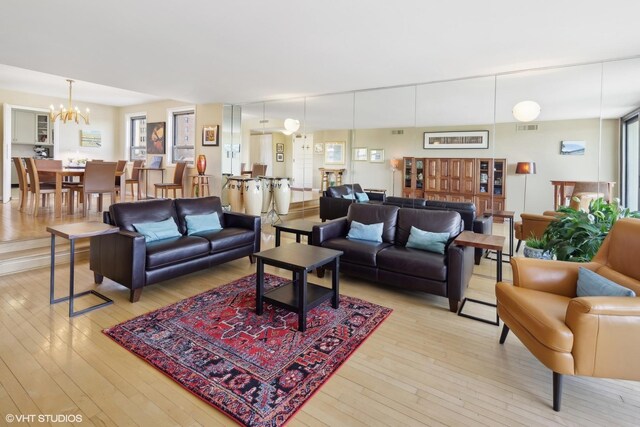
(542, 147)
(318, 158)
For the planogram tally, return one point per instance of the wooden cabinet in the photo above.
(30, 127)
(478, 181)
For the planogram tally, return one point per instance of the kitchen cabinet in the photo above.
(30, 127)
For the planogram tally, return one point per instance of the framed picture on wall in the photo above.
(360, 154)
(279, 147)
(334, 153)
(376, 155)
(155, 138)
(446, 140)
(279, 157)
(210, 136)
(318, 147)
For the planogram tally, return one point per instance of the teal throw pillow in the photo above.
(370, 232)
(201, 223)
(160, 230)
(362, 197)
(348, 196)
(427, 241)
(591, 284)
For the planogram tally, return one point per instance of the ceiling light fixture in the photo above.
(291, 125)
(526, 111)
(69, 113)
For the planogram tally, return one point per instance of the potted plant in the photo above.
(577, 235)
(535, 247)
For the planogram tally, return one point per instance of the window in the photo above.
(138, 138)
(184, 136)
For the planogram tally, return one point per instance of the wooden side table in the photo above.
(299, 227)
(506, 215)
(72, 232)
(200, 183)
(483, 241)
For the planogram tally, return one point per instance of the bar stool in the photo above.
(200, 185)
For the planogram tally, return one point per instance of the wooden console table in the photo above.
(560, 192)
(326, 173)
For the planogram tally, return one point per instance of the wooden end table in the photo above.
(299, 227)
(298, 295)
(72, 232)
(483, 241)
(506, 215)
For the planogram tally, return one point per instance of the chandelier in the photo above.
(69, 113)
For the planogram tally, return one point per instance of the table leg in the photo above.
(297, 237)
(511, 232)
(58, 196)
(277, 237)
(53, 268)
(259, 286)
(499, 268)
(72, 251)
(335, 283)
(302, 299)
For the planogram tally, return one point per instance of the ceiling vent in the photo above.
(397, 132)
(264, 121)
(526, 128)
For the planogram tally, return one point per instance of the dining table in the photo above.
(70, 172)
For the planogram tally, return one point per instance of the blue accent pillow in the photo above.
(369, 232)
(348, 196)
(201, 223)
(362, 197)
(160, 230)
(427, 241)
(591, 284)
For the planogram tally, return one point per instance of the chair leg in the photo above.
(518, 245)
(36, 203)
(86, 196)
(557, 391)
(503, 335)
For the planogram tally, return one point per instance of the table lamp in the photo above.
(525, 168)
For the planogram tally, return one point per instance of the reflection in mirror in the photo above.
(620, 101)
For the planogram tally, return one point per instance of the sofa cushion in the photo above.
(428, 220)
(158, 230)
(413, 262)
(371, 214)
(356, 251)
(201, 223)
(124, 215)
(342, 190)
(227, 238)
(466, 210)
(368, 232)
(197, 206)
(427, 241)
(540, 313)
(362, 197)
(405, 202)
(175, 250)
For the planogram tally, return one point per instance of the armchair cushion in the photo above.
(591, 284)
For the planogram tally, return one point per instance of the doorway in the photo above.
(302, 162)
(630, 152)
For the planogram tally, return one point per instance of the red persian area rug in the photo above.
(259, 370)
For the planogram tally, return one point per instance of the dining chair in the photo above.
(38, 189)
(135, 177)
(121, 167)
(258, 169)
(23, 183)
(99, 178)
(178, 178)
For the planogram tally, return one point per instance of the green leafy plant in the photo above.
(534, 242)
(577, 235)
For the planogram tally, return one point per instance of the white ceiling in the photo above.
(209, 51)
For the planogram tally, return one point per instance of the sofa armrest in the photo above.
(329, 230)
(459, 270)
(556, 277)
(333, 207)
(250, 222)
(121, 257)
(376, 196)
(602, 327)
(483, 225)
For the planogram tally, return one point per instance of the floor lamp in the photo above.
(525, 168)
(395, 163)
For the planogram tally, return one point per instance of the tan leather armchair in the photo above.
(589, 336)
(531, 225)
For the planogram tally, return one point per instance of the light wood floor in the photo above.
(423, 366)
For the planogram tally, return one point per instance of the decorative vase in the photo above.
(201, 164)
(536, 253)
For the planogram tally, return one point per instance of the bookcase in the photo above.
(476, 180)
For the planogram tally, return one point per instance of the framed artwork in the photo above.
(360, 154)
(572, 148)
(376, 155)
(155, 138)
(446, 140)
(334, 153)
(90, 138)
(318, 147)
(279, 157)
(210, 136)
(279, 147)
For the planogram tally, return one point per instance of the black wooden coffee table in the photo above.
(299, 227)
(298, 295)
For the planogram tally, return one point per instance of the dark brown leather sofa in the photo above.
(127, 259)
(390, 262)
(333, 205)
(481, 224)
